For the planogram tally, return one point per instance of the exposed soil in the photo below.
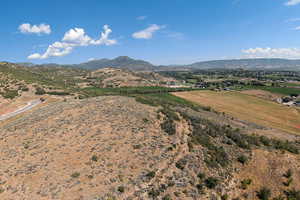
(114, 148)
(56, 143)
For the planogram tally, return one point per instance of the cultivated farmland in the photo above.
(249, 108)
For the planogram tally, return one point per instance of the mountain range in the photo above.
(125, 62)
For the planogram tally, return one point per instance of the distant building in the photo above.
(279, 100)
(290, 103)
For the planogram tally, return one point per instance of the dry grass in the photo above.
(52, 155)
(249, 108)
(262, 94)
(270, 173)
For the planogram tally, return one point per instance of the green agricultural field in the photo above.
(284, 91)
(278, 90)
(94, 91)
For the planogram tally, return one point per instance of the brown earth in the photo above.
(60, 139)
(112, 77)
(87, 149)
(267, 169)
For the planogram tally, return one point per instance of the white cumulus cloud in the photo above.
(74, 38)
(148, 32)
(292, 2)
(35, 29)
(289, 53)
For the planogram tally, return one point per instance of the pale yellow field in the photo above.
(249, 108)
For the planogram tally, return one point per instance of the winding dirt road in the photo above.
(29, 106)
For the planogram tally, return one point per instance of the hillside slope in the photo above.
(122, 62)
(116, 148)
(263, 63)
(112, 77)
(125, 62)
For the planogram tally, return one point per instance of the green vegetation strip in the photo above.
(278, 90)
(94, 91)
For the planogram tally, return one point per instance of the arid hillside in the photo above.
(17, 81)
(91, 149)
(118, 148)
(113, 78)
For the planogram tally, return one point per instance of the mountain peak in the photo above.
(123, 58)
(122, 62)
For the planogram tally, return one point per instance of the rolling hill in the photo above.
(125, 62)
(113, 78)
(132, 145)
(117, 147)
(263, 63)
(122, 62)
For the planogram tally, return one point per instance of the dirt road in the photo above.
(29, 106)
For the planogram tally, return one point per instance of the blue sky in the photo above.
(159, 31)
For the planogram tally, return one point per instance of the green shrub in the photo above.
(200, 187)
(121, 189)
(10, 94)
(224, 197)
(167, 197)
(292, 194)
(265, 141)
(75, 175)
(180, 164)
(151, 174)
(153, 193)
(264, 193)
(201, 175)
(211, 182)
(137, 146)
(39, 91)
(288, 173)
(242, 159)
(94, 158)
(288, 182)
(245, 183)
(58, 93)
(24, 89)
(238, 138)
(288, 146)
(169, 127)
(145, 120)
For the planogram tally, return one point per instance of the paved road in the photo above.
(20, 110)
